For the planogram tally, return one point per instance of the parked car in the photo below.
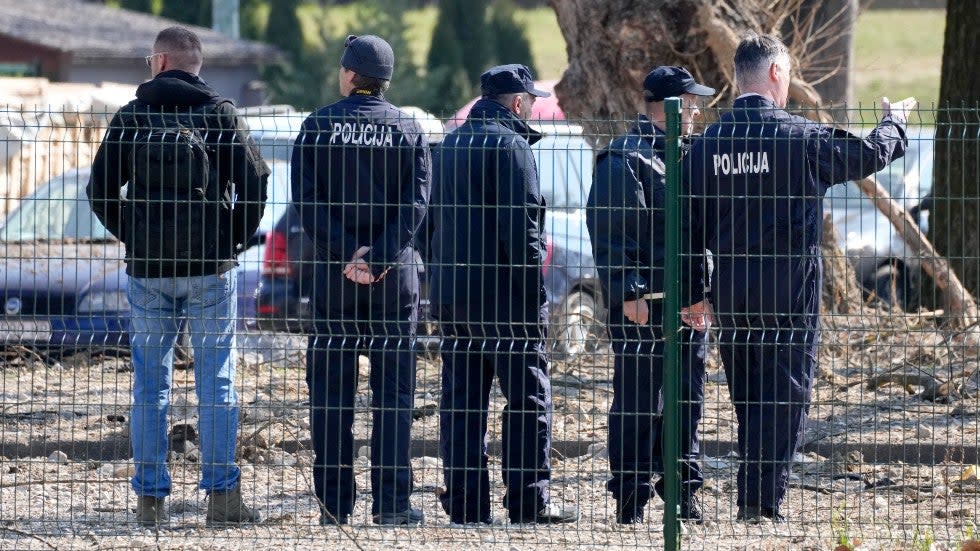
(884, 265)
(63, 279)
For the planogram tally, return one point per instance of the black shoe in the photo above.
(755, 514)
(549, 514)
(690, 504)
(408, 517)
(691, 510)
(331, 519)
(628, 512)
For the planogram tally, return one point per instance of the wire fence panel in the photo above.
(347, 329)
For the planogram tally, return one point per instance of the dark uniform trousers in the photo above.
(387, 338)
(767, 311)
(472, 353)
(635, 417)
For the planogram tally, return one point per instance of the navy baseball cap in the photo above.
(664, 82)
(368, 55)
(509, 79)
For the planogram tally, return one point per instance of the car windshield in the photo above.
(57, 211)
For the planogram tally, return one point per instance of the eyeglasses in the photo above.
(149, 59)
(350, 38)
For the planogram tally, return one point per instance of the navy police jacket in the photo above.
(360, 177)
(627, 220)
(758, 177)
(488, 244)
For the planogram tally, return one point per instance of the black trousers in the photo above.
(472, 353)
(768, 315)
(332, 371)
(636, 414)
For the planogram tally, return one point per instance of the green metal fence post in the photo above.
(671, 325)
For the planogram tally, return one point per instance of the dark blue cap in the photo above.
(509, 79)
(369, 56)
(665, 82)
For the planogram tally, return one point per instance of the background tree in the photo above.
(252, 24)
(193, 13)
(145, 6)
(510, 41)
(446, 72)
(284, 29)
(955, 224)
(613, 43)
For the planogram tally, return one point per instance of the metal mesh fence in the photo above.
(491, 331)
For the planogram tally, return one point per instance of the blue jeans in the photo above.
(208, 304)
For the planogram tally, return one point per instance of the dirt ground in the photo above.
(884, 466)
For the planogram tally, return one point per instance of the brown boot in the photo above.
(227, 508)
(151, 511)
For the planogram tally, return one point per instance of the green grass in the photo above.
(898, 53)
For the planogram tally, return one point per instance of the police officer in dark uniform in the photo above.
(757, 178)
(488, 247)
(626, 219)
(360, 177)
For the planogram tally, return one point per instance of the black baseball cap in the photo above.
(368, 55)
(509, 79)
(665, 81)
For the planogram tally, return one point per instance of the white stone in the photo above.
(125, 470)
(429, 462)
(58, 456)
(879, 503)
(923, 433)
(364, 451)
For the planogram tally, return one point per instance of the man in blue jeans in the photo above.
(196, 192)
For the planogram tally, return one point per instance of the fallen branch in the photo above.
(960, 305)
(28, 535)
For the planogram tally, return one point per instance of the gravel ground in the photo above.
(64, 480)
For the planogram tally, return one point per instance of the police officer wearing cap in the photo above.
(360, 182)
(626, 221)
(757, 178)
(488, 247)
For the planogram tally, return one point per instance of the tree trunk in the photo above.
(955, 213)
(612, 44)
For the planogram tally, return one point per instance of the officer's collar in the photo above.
(754, 101)
(364, 93)
(649, 131)
(489, 110)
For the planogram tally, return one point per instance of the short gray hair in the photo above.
(755, 53)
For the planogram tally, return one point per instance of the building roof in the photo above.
(94, 31)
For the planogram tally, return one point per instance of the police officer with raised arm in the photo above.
(626, 219)
(360, 179)
(758, 177)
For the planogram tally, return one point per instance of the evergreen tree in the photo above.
(145, 6)
(284, 29)
(251, 24)
(193, 13)
(510, 39)
(461, 29)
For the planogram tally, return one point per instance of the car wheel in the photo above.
(576, 328)
(896, 286)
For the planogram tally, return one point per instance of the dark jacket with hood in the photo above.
(239, 168)
(627, 220)
(488, 244)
